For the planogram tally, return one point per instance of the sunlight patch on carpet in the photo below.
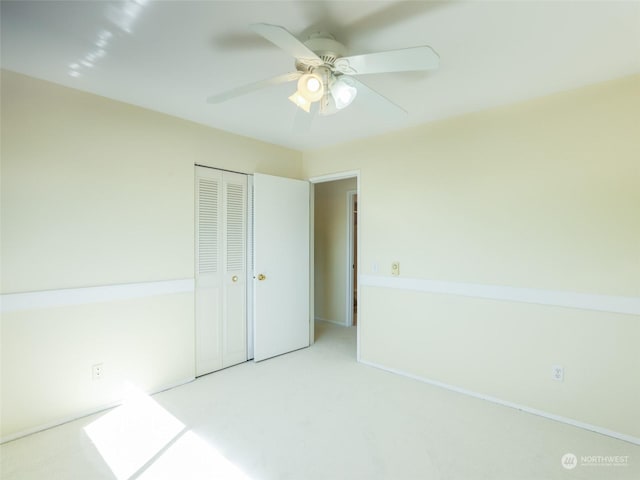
(140, 438)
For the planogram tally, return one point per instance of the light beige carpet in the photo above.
(312, 414)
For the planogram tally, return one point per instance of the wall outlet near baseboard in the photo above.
(97, 371)
(557, 373)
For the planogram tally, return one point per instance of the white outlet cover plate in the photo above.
(557, 372)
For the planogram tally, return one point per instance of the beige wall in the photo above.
(98, 192)
(95, 193)
(544, 196)
(541, 195)
(331, 254)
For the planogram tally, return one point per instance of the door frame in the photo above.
(250, 268)
(322, 179)
(351, 258)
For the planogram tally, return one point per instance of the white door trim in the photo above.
(350, 258)
(250, 267)
(337, 176)
(312, 273)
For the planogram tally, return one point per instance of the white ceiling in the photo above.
(169, 56)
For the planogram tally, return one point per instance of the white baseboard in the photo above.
(524, 408)
(335, 322)
(86, 413)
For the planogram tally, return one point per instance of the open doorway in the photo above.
(335, 250)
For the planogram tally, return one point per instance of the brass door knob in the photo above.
(234, 278)
(261, 276)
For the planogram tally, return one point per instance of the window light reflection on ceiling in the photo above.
(122, 17)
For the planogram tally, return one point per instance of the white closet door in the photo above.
(208, 271)
(281, 243)
(234, 325)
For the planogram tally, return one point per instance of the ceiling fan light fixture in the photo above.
(301, 102)
(312, 84)
(327, 105)
(310, 87)
(343, 92)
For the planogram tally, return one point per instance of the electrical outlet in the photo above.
(97, 371)
(557, 373)
(395, 269)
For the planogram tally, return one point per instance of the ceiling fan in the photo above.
(325, 75)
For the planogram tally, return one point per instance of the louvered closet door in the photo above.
(234, 325)
(221, 271)
(208, 270)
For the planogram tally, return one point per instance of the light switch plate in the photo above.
(395, 269)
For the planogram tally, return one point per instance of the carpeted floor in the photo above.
(311, 414)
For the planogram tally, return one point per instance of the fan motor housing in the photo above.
(326, 47)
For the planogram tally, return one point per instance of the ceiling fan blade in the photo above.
(404, 60)
(282, 38)
(375, 101)
(244, 89)
(240, 41)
